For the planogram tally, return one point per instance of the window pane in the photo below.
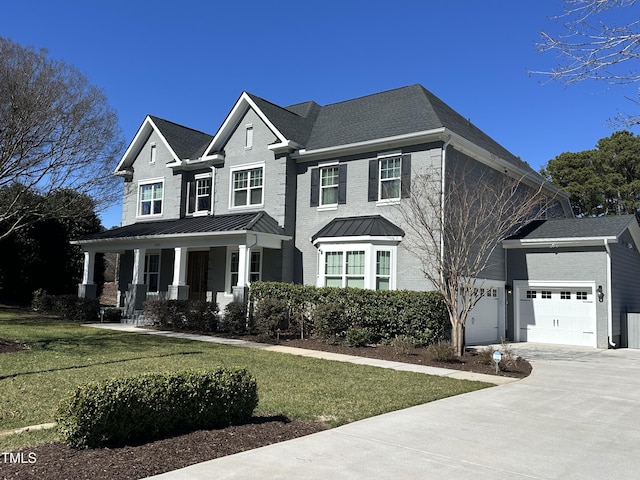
(390, 168)
(240, 180)
(390, 189)
(145, 208)
(145, 192)
(383, 263)
(256, 177)
(240, 197)
(157, 191)
(235, 259)
(157, 206)
(333, 263)
(382, 284)
(256, 196)
(333, 281)
(355, 263)
(204, 203)
(329, 176)
(355, 282)
(329, 196)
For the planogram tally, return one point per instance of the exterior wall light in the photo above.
(600, 293)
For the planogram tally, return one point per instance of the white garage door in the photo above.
(482, 322)
(563, 315)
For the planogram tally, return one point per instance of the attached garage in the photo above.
(572, 281)
(552, 312)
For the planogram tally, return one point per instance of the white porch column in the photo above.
(179, 290)
(244, 254)
(138, 266)
(89, 268)
(180, 266)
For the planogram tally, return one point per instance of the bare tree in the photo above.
(600, 42)
(456, 234)
(56, 132)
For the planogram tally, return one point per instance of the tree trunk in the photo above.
(458, 337)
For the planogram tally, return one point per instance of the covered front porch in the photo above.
(211, 258)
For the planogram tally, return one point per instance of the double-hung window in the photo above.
(383, 269)
(390, 178)
(151, 195)
(203, 194)
(329, 185)
(247, 187)
(152, 271)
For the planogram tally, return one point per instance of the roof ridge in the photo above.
(155, 117)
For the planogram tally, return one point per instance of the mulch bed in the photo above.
(56, 460)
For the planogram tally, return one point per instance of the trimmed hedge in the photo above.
(331, 312)
(190, 315)
(69, 307)
(152, 405)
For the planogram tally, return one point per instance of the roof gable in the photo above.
(181, 142)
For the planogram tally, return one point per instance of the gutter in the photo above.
(442, 202)
(609, 305)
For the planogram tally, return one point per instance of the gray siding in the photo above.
(311, 219)
(144, 170)
(625, 294)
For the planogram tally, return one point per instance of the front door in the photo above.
(197, 275)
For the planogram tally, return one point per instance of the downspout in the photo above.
(609, 305)
(443, 167)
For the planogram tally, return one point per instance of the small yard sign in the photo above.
(497, 356)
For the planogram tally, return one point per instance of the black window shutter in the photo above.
(315, 187)
(342, 183)
(373, 180)
(191, 196)
(405, 179)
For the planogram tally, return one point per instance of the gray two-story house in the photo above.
(304, 193)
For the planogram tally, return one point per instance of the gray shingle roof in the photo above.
(259, 222)
(373, 225)
(186, 142)
(611, 226)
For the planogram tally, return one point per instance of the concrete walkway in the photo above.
(576, 417)
(497, 380)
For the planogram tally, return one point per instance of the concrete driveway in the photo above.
(576, 417)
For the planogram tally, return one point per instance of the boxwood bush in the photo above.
(152, 405)
(69, 307)
(331, 312)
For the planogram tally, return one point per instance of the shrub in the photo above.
(183, 314)
(442, 352)
(330, 321)
(152, 405)
(112, 315)
(485, 355)
(403, 344)
(358, 337)
(68, 307)
(270, 315)
(234, 319)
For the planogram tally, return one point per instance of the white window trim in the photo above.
(327, 206)
(239, 168)
(197, 213)
(388, 201)
(149, 181)
(228, 287)
(370, 254)
(153, 154)
(248, 137)
(146, 272)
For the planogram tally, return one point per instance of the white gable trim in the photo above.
(234, 118)
(136, 144)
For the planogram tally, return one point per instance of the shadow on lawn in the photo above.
(75, 367)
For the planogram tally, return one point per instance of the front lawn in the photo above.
(62, 355)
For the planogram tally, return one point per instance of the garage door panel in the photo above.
(557, 314)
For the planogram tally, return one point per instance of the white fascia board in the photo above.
(436, 134)
(190, 164)
(558, 242)
(144, 131)
(285, 146)
(360, 239)
(240, 108)
(186, 239)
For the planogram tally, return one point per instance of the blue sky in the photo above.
(189, 61)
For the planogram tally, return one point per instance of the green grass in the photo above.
(63, 355)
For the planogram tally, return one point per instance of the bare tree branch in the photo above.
(56, 132)
(457, 246)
